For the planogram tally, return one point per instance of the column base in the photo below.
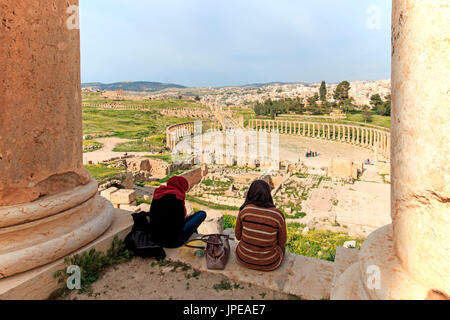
(378, 275)
(35, 234)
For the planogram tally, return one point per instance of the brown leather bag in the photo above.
(217, 250)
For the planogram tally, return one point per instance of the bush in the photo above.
(92, 265)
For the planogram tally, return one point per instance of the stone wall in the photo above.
(195, 113)
(340, 168)
(194, 176)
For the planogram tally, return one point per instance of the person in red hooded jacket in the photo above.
(169, 225)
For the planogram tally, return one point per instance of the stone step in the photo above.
(344, 258)
(305, 277)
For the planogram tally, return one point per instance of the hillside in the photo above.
(138, 86)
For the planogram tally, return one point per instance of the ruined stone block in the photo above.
(107, 193)
(123, 196)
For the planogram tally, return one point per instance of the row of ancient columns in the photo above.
(175, 132)
(366, 137)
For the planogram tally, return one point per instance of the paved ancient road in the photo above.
(107, 152)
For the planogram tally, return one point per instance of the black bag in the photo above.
(139, 239)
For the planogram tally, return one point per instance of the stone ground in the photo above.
(139, 280)
(362, 206)
(107, 152)
(294, 147)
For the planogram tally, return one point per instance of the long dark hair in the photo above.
(259, 195)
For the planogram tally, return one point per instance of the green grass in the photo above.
(295, 225)
(101, 171)
(175, 173)
(211, 205)
(229, 222)
(141, 201)
(297, 215)
(382, 121)
(377, 120)
(155, 143)
(223, 285)
(163, 156)
(91, 145)
(317, 243)
(128, 124)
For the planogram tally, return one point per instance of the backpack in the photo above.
(139, 239)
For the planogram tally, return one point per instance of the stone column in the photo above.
(49, 205)
(412, 255)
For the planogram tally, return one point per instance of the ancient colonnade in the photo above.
(177, 131)
(372, 138)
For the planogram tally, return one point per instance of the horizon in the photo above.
(234, 43)
(225, 86)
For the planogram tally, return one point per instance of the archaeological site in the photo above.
(365, 195)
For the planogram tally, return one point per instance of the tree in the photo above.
(197, 98)
(386, 111)
(341, 93)
(312, 104)
(376, 102)
(366, 114)
(383, 108)
(323, 91)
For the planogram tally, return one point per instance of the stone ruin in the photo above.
(195, 113)
(344, 169)
(50, 207)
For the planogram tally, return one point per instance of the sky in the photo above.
(234, 42)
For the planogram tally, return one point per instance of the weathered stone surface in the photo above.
(138, 164)
(39, 283)
(344, 258)
(144, 207)
(30, 245)
(107, 193)
(411, 255)
(342, 169)
(40, 104)
(129, 207)
(212, 224)
(49, 203)
(123, 196)
(306, 277)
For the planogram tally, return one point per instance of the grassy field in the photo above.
(91, 145)
(377, 120)
(128, 124)
(101, 171)
(147, 127)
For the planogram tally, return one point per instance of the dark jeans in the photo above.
(191, 224)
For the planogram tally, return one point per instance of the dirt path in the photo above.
(107, 152)
(144, 279)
